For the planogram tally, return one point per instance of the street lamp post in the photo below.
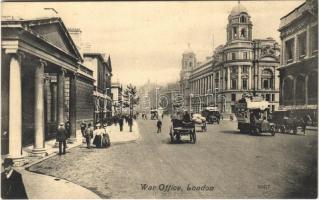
(215, 91)
(156, 97)
(190, 102)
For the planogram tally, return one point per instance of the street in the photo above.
(222, 164)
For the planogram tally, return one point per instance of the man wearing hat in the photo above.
(61, 138)
(12, 186)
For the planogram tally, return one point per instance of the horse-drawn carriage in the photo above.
(180, 128)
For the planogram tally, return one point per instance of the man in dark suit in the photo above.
(12, 186)
(61, 138)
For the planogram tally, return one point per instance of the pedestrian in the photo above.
(61, 138)
(130, 123)
(88, 135)
(105, 137)
(121, 123)
(83, 128)
(97, 136)
(68, 129)
(159, 126)
(12, 186)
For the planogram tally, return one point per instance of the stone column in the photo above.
(72, 110)
(53, 88)
(306, 90)
(249, 77)
(39, 124)
(60, 97)
(294, 91)
(308, 43)
(15, 110)
(239, 77)
(228, 77)
(296, 47)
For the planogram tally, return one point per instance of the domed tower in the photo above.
(239, 25)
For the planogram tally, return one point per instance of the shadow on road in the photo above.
(239, 133)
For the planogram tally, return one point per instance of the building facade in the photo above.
(299, 60)
(242, 66)
(117, 98)
(102, 74)
(41, 79)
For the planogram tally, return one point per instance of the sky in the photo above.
(146, 40)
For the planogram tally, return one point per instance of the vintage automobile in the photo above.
(212, 115)
(252, 116)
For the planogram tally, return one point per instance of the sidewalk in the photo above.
(117, 137)
(56, 188)
(47, 187)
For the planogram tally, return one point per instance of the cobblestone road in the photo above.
(230, 164)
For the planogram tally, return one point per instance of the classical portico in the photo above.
(36, 65)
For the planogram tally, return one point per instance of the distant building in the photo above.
(299, 61)
(117, 98)
(241, 66)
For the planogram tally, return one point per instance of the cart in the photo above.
(180, 128)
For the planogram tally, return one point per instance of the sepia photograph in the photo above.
(159, 99)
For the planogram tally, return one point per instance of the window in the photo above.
(313, 88)
(245, 55)
(314, 39)
(243, 32)
(234, 84)
(245, 69)
(233, 97)
(245, 84)
(267, 97)
(273, 97)
(233, 56)
(273, 108)
(234, 69)
(267, 79)
(290, 45)
(300, 90)
(190, 64)
(234, 32)
(302, 46)
(243, 19)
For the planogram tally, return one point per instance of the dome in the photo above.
(238, 9)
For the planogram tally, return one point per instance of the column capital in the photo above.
(19, 55)
(42, 63)
(63, 71)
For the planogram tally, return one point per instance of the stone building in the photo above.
(299, 61)
(188, 64)
(41, 81)
(102, 74)
(242, 66)
(117, 98)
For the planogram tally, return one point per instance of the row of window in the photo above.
(238, 55)
(301, 45)
(267, 97)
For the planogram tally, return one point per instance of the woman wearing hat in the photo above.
(97, 136)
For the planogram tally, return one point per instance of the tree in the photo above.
(131, 99)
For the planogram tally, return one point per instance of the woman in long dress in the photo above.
(97, 136)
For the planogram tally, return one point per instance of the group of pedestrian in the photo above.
(99, 135)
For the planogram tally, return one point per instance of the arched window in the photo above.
(300, 90)
(243, 32)
(287, 91)
(267, 79)
(313, 88)
(243, 19)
